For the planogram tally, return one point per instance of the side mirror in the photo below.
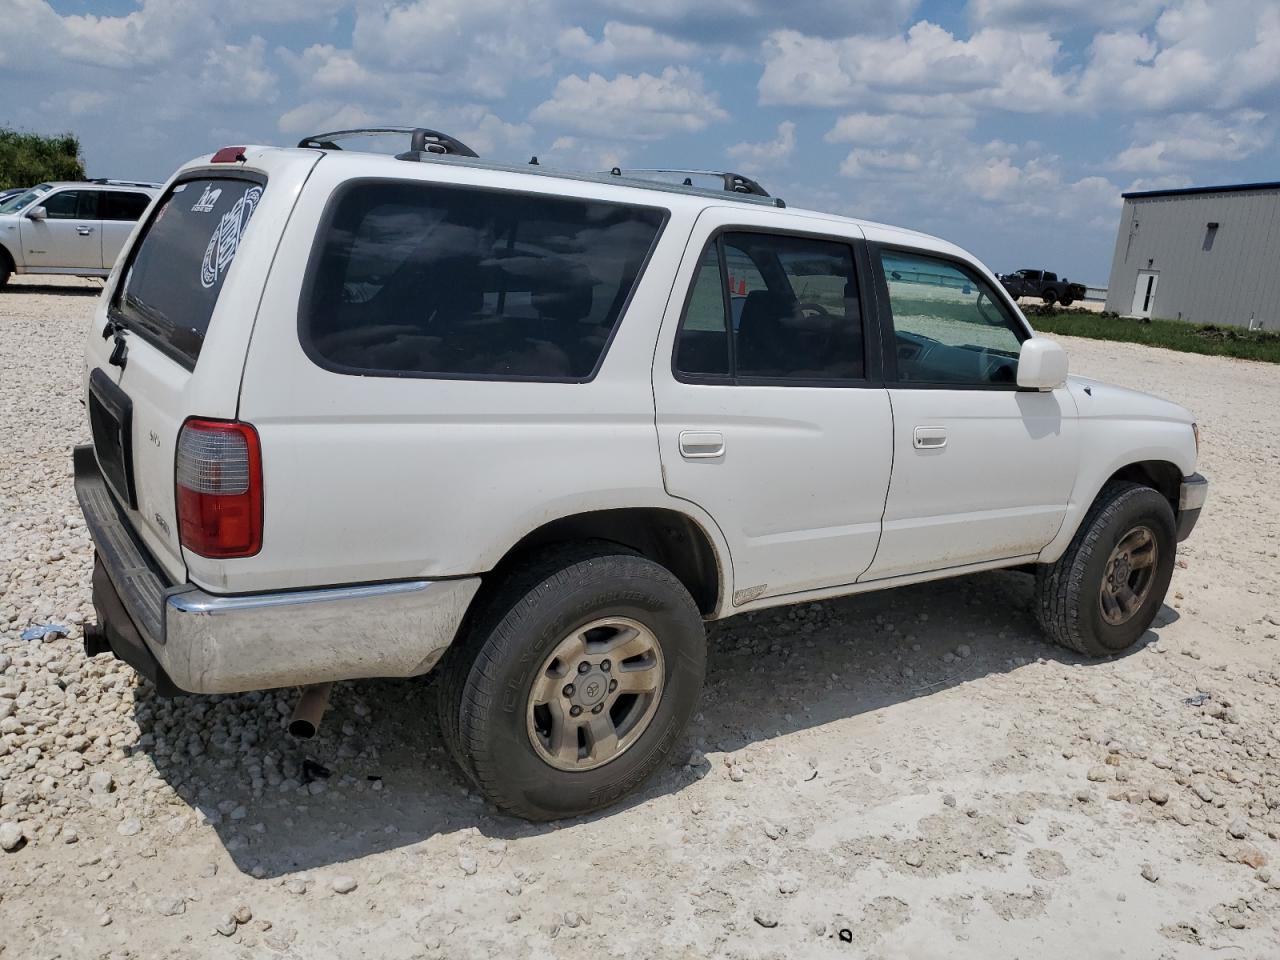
(38, 213)
(1042, 364)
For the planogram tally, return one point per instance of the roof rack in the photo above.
(432, 145)
(421, 141)
(106, 181)
(732, 182)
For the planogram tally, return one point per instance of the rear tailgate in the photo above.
(177, 314)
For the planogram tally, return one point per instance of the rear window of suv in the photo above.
(176, 270)
(425, 280)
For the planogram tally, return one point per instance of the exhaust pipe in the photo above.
(95, 640)
(309, 710)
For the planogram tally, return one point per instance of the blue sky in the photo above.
(1008, 126)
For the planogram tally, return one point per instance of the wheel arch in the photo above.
(7, 258)
(1160, 475)
(1153, 470)
(664, 535)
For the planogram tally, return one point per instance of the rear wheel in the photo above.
(1049, 296)
(1103, 592)
(574, 681)
(1067, 301)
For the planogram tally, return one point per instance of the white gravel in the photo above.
(905, 774)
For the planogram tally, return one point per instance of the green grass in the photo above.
(1204, 338)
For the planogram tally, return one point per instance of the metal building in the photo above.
(1202, 254)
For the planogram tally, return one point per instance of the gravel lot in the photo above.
(908, 774)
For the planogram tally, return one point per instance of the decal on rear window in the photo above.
(207, 200)
(226, 236)
(176, 269)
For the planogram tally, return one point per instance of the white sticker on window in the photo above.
(207, 200)
(226, 237)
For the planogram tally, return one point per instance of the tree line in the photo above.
(29, 158)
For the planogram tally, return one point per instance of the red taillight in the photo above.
(218, 476)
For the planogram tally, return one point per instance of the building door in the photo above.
(1144, 293)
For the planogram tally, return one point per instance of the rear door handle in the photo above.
(84, 231)
(930, 438)
(701, 444)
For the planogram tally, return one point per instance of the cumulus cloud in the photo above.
(477, 46)
(624, 43)
(1064, 13)
(746, 21)
(1012, 70)
(1182, 140)
(1197, 56)
(885, 128)
(632, 107)
(323, 66)
(770, 153)
(942, 170)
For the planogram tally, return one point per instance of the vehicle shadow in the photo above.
(68, 290)
(378, 777)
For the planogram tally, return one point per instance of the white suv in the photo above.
(356, 415)
(70, 228)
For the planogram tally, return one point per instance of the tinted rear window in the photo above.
(411, 279)
(176, 270)
(117, 205)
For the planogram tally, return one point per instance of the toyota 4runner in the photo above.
(369, 416)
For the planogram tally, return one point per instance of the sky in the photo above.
(1010, 127)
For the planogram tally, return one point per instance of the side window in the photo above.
(426, 280)
(118, 205)
(950, 328)
(791, 304)
(702, 347)
(72, 205)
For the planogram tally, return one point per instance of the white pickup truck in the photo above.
(74, 228)
(358, 415)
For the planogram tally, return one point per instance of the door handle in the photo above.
(701, 445)
(930, 438)
(84, 231)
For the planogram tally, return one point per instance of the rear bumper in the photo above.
(188, 640)
(1191, 498)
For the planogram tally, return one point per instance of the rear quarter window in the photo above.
(176, 270)
(118, 205)
(425, 280)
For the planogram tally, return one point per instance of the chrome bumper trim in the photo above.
(224, 644)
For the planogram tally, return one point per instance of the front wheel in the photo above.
(1104, 591)
(574, 681)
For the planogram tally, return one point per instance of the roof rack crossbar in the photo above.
(421, 140)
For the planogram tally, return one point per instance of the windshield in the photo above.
(22, 200)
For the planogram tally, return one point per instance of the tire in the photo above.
(6, 269)
(492, 674)
(1069, 593)
(1066, 301)
(1049, 296)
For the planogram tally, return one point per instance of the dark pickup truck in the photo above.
(1042, 284)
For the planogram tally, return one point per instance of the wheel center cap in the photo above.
(590, 688)
(1122, 571)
